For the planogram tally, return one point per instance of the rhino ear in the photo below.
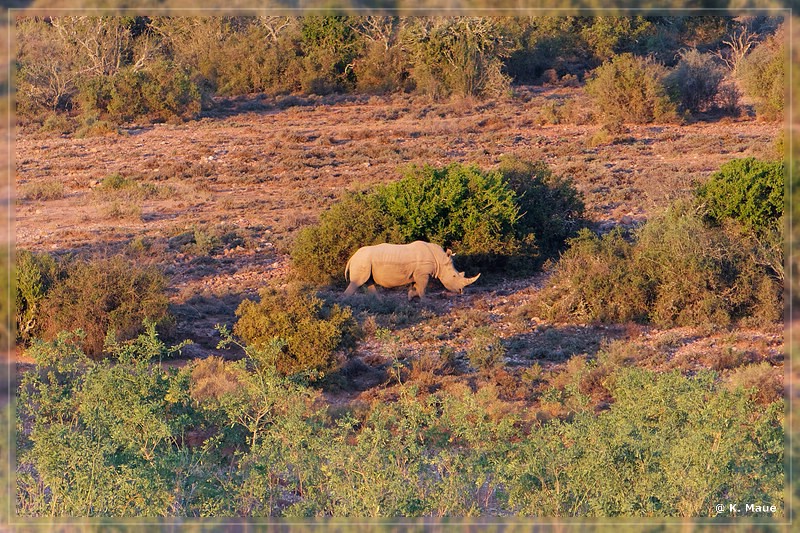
(449, 252)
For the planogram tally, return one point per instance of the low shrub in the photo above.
(295, 330)
(631, 89)
(42, 190)
(748, 190)
(56, 123)
(105, 298)
(695, 81)
(486, 351)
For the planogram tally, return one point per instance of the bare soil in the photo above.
(259, 168)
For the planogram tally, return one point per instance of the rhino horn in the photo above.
(466, 281)
(470, 281)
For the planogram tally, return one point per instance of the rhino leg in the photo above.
(420, 283)
(372, 288)
(351, 289)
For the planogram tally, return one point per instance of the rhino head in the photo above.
(452, 279)
(457, 281)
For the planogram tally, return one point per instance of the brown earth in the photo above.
(255, 170)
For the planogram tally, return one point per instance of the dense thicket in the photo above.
(713, 262)
(233, 438)
(167, 68)
(107, 299)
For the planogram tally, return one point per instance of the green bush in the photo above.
(763, 74)
(35, 275)
(294, 330)
(695, 81)
(550, 206)
(489, 217)
(631, 89)
(749, 191)
(457, 206)
(320, 251)
(675, 272)
(100, 297)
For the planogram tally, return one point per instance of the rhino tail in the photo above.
(347, 270)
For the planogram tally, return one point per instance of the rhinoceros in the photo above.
(396, 265)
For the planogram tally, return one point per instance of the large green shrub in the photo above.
(550, 207)
(320, 251)
(457, 206)
(295, 330)
(520, 210)
(631, 89)
(99, 297)
(747, 190)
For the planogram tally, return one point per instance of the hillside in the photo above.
(215, 204)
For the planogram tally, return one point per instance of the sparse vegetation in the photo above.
(42, 190)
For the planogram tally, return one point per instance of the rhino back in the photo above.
(395, 264)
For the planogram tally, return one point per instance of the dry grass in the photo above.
(42, 190)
